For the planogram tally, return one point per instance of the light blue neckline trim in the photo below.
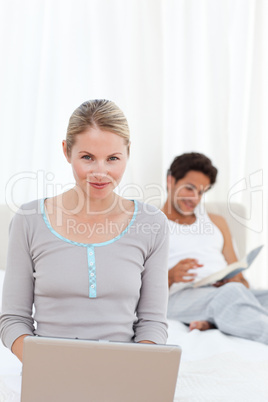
(42, 207)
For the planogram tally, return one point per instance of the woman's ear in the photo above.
(128, 148)
(65, 150)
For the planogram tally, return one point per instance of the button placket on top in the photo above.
(91, 271)
(90, 247)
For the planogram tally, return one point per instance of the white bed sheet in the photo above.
(214, 367)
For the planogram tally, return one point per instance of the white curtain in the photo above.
(190, 75)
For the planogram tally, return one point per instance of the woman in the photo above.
(93, 264)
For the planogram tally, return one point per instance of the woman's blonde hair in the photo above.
(100, 113)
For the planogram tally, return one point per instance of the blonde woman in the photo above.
(93, 264)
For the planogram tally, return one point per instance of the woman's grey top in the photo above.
(116, 290)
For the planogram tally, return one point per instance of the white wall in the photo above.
(190, 75)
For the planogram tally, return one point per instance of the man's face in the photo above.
(185, 194)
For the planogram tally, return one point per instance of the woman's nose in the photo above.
(99, 169)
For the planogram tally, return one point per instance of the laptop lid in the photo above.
(71, 370)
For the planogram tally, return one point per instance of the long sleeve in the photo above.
(16, 317)
(152, 307)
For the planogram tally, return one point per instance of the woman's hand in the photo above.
(147, 342)
(17, 347)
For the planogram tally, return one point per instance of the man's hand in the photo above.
(179, 273)
(237, 278)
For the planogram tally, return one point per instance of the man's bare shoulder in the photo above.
(219, 221)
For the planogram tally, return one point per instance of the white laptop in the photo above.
(71, 370)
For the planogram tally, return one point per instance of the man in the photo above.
(201, 244)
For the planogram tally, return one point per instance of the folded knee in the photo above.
(232, 289)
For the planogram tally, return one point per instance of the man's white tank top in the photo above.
(202, 240)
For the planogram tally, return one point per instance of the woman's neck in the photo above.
(75, 202)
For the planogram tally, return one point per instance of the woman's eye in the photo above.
(113, 158)
(87, 157)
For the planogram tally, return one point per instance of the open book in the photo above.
(231, 270)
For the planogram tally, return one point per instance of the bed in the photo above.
(215, 367)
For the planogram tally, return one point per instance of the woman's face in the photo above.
(98, 160)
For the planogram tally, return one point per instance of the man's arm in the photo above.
(228, 249)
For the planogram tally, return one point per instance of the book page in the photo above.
(231, 270)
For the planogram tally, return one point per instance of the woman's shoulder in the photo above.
(33, 205)
(27, 216)
(150, 212)
(28, 210)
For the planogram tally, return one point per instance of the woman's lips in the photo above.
(99, 185)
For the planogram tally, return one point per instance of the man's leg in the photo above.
(262, 297)
(190, 304)
(232, 308)
(236, 311)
